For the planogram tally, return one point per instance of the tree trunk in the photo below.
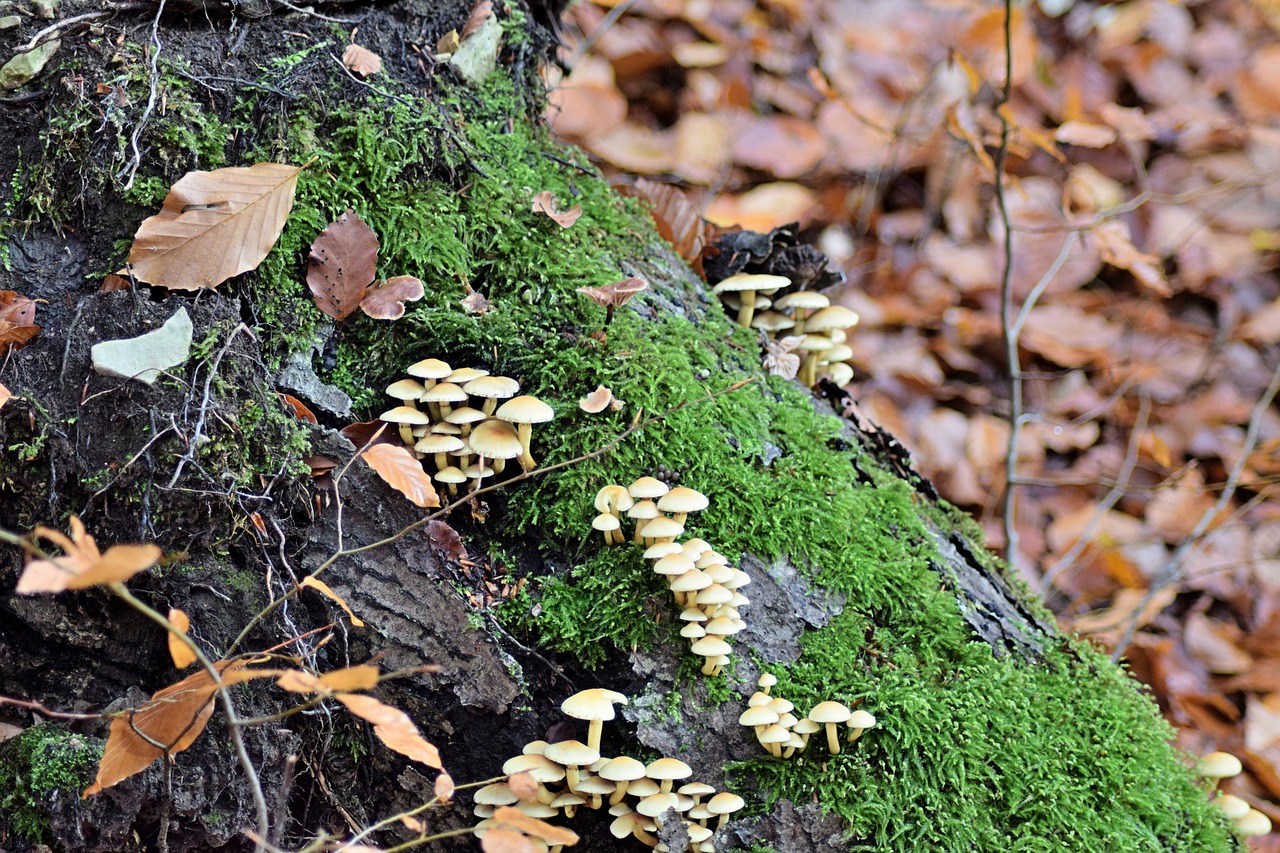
(994, 731)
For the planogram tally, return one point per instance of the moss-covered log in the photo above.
(995, 732)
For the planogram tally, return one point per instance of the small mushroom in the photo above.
(610, 527)
(613, 296)
(444, 395)
(681, 501)
(858, 722)
(631, 823)
(710, 648)
(491, 389)
(496, 440)
(746, 285)
(1232, 806)
(622, 770)
(830, 715)
(407, 391)
(596, 788)
(451, 476)
(1253, 824)
(801, 303)
(648, 488)
(666, 771)
(438, 446)
(568, 803)
(524, 411)
(1219, 765)
(596, 706)
(572, 755)
(406, 419)
(724, 804)
(767, 681)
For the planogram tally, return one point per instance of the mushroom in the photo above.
(773, 737)
(430, 371)
(496, 440)
(805, 729)
(542, 769)
(830, 714)
(439, 446)
(571, 754)
(800, 304)
(444, 394)
(1254, 823)
(622, 770)
(724, 804)
(595, 787)
(1232, 806)
(451, 477)
(497, 794)
(811, 345)
(615, 295)
(568, 802)
(666, 770)
(681, 501)
(491, 389)
(1219, 765)
(759, 718)
(859, 722)
(663, 529)
(838, 374)
(710, 648)
(594, 705)
(524, 411)
(641, 512)
(463, 375)
(771, 322)
(464, 418)
(631, 823)
(656, 805)
(660, 550)
(746, 285)
(610, 527)
(407, 391)
(767, 681)
(648, 488)
(406, 419)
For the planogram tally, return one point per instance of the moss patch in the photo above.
(42, 764)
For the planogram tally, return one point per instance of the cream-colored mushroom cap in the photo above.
(779, 705)
(839, 352)
(404, 415)
(806, 727)
(710, 646)
(525, 409)
(693, 614)
(663, 528)
(604, 521)
(534, 747)
(683, 500)
(714, 594)
(839, 373)
(830, 712)
(593, 704)
(696, 789)
(725, 803)
(464, 416)
(722, 626)
(433, 442)
(1232, 806)
(674, 565)
(1217, 765)
(444, 392)
(571, 752)
(613, 498)
(832, 317)
(537, 809)
(804, 299)
(405, 389)
(463, 375)
(497, 794)
(430, 368)
(648, 488)
(655, 804)
(698, 834)
(774, 733)
(695, 547)
(691, 581)
(861, 720)
(745, 281)
(541, 768)
(645, 787)
(495, 439)
(568, 799)
(662, 549)
(453, 474)
(667, 769)
(693, 631)
(492, 387)
(758, 715)
(624, 767)
(1253, 824)
(814, 343)
(772, 321)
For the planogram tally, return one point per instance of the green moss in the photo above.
(44, 764)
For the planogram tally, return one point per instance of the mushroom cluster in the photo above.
(452, 418)
(783, 734)
(815, 328)
(562, 777)
(705, 586)
(1246, 820)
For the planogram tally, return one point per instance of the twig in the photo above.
(38, 38)
(1006, 305)
(1174, 567)
(132, 167)
(45, 711)
(194, 442)
(309, 13)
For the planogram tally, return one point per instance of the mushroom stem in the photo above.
(593, 734)
(747, 307)
(644, 837)
(525, 433)
(571, 777)
(490, 404)
(680, 517)
(406, 434)
(498, 465)
(442, 461)
(620, 791)
(709, 667)
(833, 739)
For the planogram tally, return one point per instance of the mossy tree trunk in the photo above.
(995, 732)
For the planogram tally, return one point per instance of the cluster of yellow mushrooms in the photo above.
(783, 735)
(807, 315)
(706, 588)
(551, 779)
(452, 417)
(1247, 820)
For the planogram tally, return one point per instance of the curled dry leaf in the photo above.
(1084, 134)
(444, 788)
(299, 409)
(112, 282)
(549, 833)
(342, 265)
(17, 320)
(480, 13)
(475, 303)
(678, 221)
(402, 472)
(214, 225)
(545, 203)
(779, 358)
(181, 653)
(385, 301)
(82, 564)
(362, 677)
(174, 717)
(323, 588)
(362, 61)
(446, 540)
(597, 401)
(393, 727)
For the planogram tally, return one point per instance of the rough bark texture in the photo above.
(242, 521)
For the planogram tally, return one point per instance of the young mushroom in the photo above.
(524, 411)
(859, 722)
(491, 389)
(496, 440)
(405, 418)
(596, 706)
(746, 285)
(830, 715)
(681, 501)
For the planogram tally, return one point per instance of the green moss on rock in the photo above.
(44, 763)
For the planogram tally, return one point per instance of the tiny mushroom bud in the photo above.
(524, 411)
(766, 682)
(1253, 824)
(830, 714)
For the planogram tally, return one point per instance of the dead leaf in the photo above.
(524, 786)
(17, 320)
(112, 282)
(351, 678)
(299, 409)
(498, 840)
(214, 225)
(412, 823)
(1212, 644)
(517, 819)
(342, 265)
(1084, 134)
(174, 717)
(781, 145)
(324, 589)
(545, 203)
(5, 395)
(480, 13)
(444, 788)
(362, 61)
(367, 432)
(763, 208)
(475, 303)
(385, 301)
(446, 540)
(393, 727)
(597, 401)
(677, 219)
(181, 653)
(82, 564)
(401, 470)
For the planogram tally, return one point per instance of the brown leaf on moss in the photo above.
(17, 320)
(342, 265)
(362, 61)
(385, 301)
(545, 203)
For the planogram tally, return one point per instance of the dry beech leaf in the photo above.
(342, 265)
(5, 395)
(446, 540)
(393, 727)
(214, 225)
(82, 564)
(361, 677)
(475, 303)
(545, 203)
(677, 219)
(1084, 134)
(362, 61)
(402, 472)
(524, 786)
(444, 788)
(175, 716)
(112, 282)
(323, 588)
(181, 653)
(368, 432)
(299, 409)
(17, 320)
(413, 824)
(385, 301)
(597, 401)
(532, 826)
(500, 840)
(479, 14)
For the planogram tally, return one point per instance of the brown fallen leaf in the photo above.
(401, 470)
(444, 788)
(5, 395)
(545, 203)
(181, 653)
(446, 540)
(362, 61)
(362, 677)
(597, 401)
(393, 727)
(112, 282)
(524, 786)
(367, 432)
(342, 265)
(17, 320)
(677, 218)
(500, 840)
(549, 833)
(480, 13)
(82, 564)
(323, 588)
(385, 300)
(299, 408)
(214, 225)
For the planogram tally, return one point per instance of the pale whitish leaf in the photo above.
(214, 225)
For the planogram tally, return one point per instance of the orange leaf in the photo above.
(386, 300)
(506, 841)
(361, 60)
(297, 681)
(413, 824)
(81, 564)
(174, 717)
(5, 395)
(362, 677)
(299, 409)
(524, 786)
(393, 727)
(181, 653)
(323, 588)
(597, 401)
(402, 472)
(214, 225)
(444, 788)
(17, 320)
(513, 817)
(342, 264)
(545, 203)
